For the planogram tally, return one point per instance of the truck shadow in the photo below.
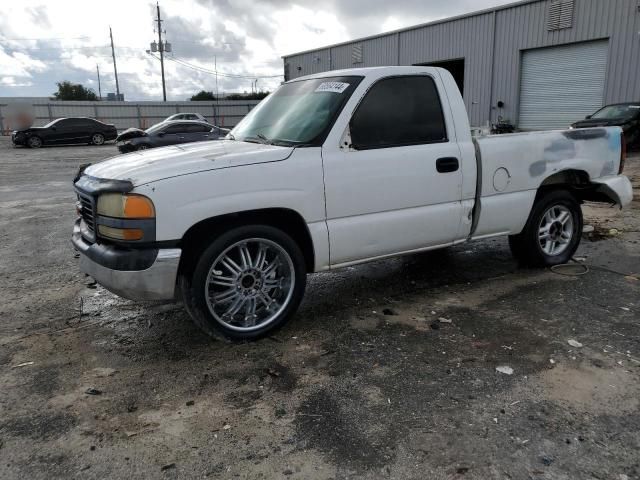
(166, 331)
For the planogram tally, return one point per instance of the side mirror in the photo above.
(161, 134)
(54, 128)
(588, 117)
(350, 143)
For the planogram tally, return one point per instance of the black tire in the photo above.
(194, 282)
(34, 142)
(97, 139)
(143, 146)
(527, 248)
(633, 140)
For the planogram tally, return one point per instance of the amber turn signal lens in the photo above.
(137, 206)
(120, 233)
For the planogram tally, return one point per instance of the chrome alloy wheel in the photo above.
(250, 284)
(556, 230)
(97, 139)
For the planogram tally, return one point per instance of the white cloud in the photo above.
(248, 37)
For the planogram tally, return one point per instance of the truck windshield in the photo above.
(297, 113)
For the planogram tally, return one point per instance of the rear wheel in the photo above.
(34, 142)
(246, 284)
(552, 233)
(97, 139)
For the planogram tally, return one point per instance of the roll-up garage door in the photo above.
(560, 85)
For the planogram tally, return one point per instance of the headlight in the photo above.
(120, 205)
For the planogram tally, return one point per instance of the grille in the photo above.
(86, 211)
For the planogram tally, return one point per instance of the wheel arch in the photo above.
(194, 241)
(35, 135)
(579, 183)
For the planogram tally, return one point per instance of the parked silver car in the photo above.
(168, 133)
(186, 116)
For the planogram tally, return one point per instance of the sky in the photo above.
(44, 42)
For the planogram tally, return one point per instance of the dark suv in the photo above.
(65, 131)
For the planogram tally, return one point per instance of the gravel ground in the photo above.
(388, 370)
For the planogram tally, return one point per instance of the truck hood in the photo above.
(160, 163)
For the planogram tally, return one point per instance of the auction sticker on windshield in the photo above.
(334, 87)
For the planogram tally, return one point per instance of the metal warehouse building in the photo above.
(540, 64)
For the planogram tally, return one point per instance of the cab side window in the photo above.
(399, 111)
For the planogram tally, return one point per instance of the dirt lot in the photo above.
(388, 371)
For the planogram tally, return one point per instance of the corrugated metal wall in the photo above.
(226, 113)
(492, 65)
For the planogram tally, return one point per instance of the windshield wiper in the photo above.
(258, 138)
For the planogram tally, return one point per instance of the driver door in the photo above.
(396, 187)
(172, 135)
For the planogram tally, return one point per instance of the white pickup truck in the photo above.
(331, 170)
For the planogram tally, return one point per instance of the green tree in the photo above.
(73, 91)
(203, 95)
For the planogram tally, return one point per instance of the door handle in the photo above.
(447, 165)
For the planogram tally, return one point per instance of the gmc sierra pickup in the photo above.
(332, 170)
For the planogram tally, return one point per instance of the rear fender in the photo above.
(618, 188)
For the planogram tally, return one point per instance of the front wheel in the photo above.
(246, 284)
(552, 233)
(34, 142)
(97, 139)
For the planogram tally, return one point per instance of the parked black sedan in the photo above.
(625, 115)
(168, 133)
(65, 131)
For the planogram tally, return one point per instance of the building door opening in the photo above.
(455, 67)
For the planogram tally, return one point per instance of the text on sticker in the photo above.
(333, 87)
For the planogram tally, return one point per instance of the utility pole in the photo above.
(161, 48)
(215, 68)
(99, 85)
(115, 68)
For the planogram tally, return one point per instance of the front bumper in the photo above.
(18, 139)
(126, 147)
(136, 274)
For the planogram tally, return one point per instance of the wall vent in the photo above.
(356, 53)
(560, 15)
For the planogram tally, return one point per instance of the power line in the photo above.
(42, 38)
(213, 72)
(20, 49)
